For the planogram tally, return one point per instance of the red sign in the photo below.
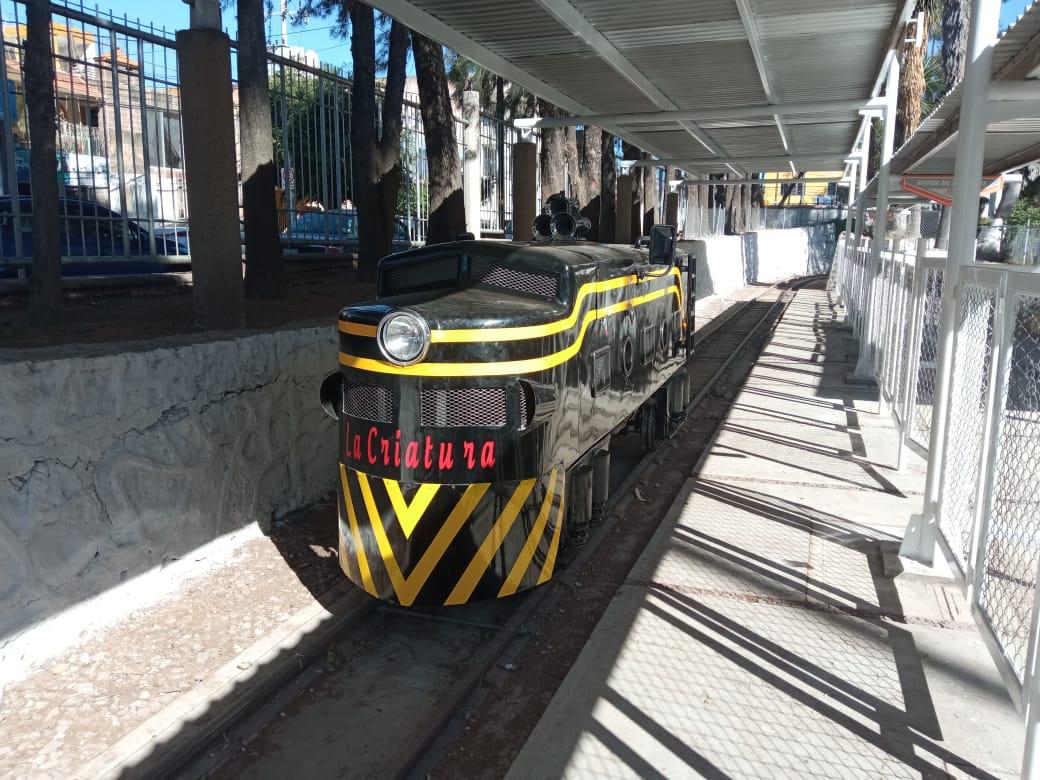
(374, 449)
(938, 187)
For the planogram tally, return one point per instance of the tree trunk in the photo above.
(732, 210)
(955, 17)
(630, 152)
(649, 197)
(264, 277)
(607, 189)
(377, 158)
(590, 151)
(554, 154)
(911, 89)
(447, 205)
(45, 297)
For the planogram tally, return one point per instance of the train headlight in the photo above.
(404, 337)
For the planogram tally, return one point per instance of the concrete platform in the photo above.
(758, 636)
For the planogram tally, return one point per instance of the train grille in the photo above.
(369, 402)
(482, 407)
(431, 273)
(490, 273)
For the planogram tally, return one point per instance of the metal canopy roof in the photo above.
(1012, 135)
(593, 57)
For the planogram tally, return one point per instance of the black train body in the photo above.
(459, 470)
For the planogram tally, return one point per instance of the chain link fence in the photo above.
(988, 509)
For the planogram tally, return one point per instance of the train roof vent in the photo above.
(488, 272)
(464, 407)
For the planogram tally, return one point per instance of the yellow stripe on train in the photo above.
(508, 367)
(522, 332)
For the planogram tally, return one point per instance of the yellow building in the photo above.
(804, 193)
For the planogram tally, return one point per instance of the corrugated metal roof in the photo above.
(1009, 144)
(620, 56)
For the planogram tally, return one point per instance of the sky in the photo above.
(173, 15)
(317, 33)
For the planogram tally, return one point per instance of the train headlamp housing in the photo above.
(403, 337)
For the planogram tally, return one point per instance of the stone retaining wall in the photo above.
(113, 462)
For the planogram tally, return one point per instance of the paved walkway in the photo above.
(757, 636)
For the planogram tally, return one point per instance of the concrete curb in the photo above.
(171, 736)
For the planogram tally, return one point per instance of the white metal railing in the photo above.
(907, 302)
(989, 488)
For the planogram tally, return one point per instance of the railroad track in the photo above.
(391, 691)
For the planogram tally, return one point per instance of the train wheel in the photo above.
(648, 424)
(579, 507)
(600, 484)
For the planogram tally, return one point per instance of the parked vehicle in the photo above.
(94, 240)
(331, 232)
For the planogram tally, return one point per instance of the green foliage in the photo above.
(316, 138)
(934, 84)
(1024, 212)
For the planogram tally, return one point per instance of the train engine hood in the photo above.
(487, 302)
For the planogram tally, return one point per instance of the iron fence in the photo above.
(988, 511)
(121, 157)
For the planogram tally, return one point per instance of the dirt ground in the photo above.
(314, 292)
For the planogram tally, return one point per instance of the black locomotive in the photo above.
(476, 397)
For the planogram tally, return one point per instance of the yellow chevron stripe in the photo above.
(408, 515)
(407, 588)
(554, 547)
(509, 367)
(523, 332)
(471, 576)
(355, 532)
(523, 560)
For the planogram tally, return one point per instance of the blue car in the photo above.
(94, 240)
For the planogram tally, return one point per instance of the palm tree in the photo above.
(955, 17)
(45, 282)
(912, 76)
(447, 205)
(259, 212)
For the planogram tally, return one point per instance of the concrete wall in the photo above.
(113, 462)
(727, 263)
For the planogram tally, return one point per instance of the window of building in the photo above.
(165, 143)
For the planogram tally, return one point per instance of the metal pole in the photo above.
(10, 164)
(146, 157)
(471, 160)
(919, 539)
(116, 100)
(865, 364)
(287, 190)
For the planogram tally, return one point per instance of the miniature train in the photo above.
(476, 397)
